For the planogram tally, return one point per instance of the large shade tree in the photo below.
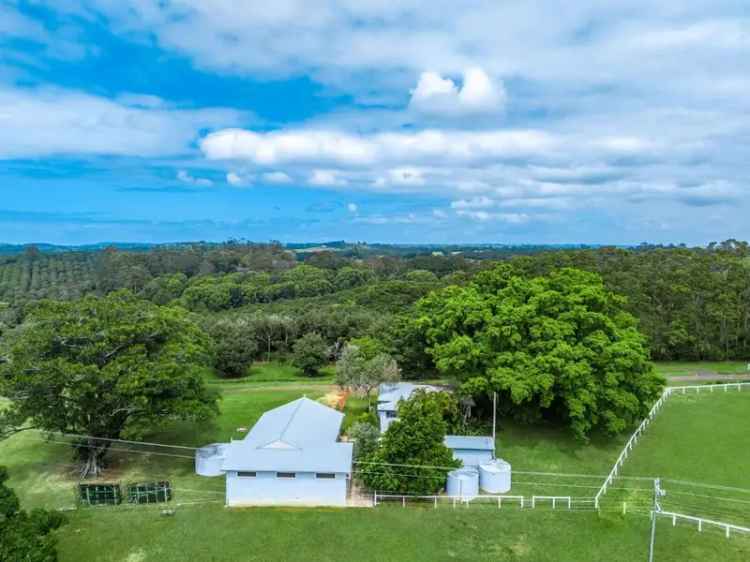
(558, 346)
(104, 368)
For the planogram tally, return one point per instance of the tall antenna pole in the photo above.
(494, 418)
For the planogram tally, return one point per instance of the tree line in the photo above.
(690, 303)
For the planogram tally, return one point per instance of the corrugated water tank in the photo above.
(463, 483)
(494, 476)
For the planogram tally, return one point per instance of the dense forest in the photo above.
(691, 303)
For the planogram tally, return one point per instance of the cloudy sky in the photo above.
(307, 120)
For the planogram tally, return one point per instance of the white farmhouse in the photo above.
(291, 456)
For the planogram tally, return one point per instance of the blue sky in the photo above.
(444, 122)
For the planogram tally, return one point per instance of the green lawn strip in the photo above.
(274, 372)
(213, 533)
(686, 368)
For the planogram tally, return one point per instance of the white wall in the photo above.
(266, 488)
(385, 421)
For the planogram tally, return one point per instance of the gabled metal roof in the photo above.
(300, 436)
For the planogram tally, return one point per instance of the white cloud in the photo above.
(185, 177)
(352, 207)
(478, 94)
(276, 177)
(484, 216)
(238, 180)
(47, 121)
(326, 178)
(347, 149)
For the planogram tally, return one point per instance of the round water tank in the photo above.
(208, 459)
(463, 483)
(494, 476)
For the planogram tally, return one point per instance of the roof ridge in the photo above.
(300, 401)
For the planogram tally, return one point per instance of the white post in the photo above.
(494, 419)
(375, 499)
(403, 501)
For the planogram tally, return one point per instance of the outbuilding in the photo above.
(390, 394)
(291, 456)
(470, 449)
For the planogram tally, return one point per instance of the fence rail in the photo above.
(523, 502)
(631, 443)
(702, 522)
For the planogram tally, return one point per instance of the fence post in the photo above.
(403, 501)
(499, 502)
(727, 527)
(435, 502)
(375, 499)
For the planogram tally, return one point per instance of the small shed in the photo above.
(470, 449)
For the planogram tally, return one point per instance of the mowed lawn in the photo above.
(44, 474)
(699, 445)
(385, 534)
(698, 437)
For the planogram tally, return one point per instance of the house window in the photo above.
(286, 475)
(390, 414)
(325, 475)
(246, 474)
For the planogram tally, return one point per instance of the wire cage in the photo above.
(100, 494)
(149, 492)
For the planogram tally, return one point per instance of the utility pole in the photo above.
(494, 417)
(658, 492)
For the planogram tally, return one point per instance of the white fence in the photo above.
(701, 522)
(523, 502)
(697, 389)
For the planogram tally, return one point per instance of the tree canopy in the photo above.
(104, 367)
(412, 457)
(25, 536)
(362, 374)
(559, 345)
(310, 353)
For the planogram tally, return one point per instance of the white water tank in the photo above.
(463, 483)
(494, 476)
(208, 459)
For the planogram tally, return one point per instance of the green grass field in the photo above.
(687, 368)
(695, 438)
(212, 533)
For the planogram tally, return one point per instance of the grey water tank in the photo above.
(208, 459)
(463, 483)
(494, 476)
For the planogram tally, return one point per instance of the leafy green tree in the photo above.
(412, 457)
(365, 436)
(559, 345)
(354, 370)
(25, 536)
(164, 289)
(234, 346)
(104, 368)
(310, 353)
